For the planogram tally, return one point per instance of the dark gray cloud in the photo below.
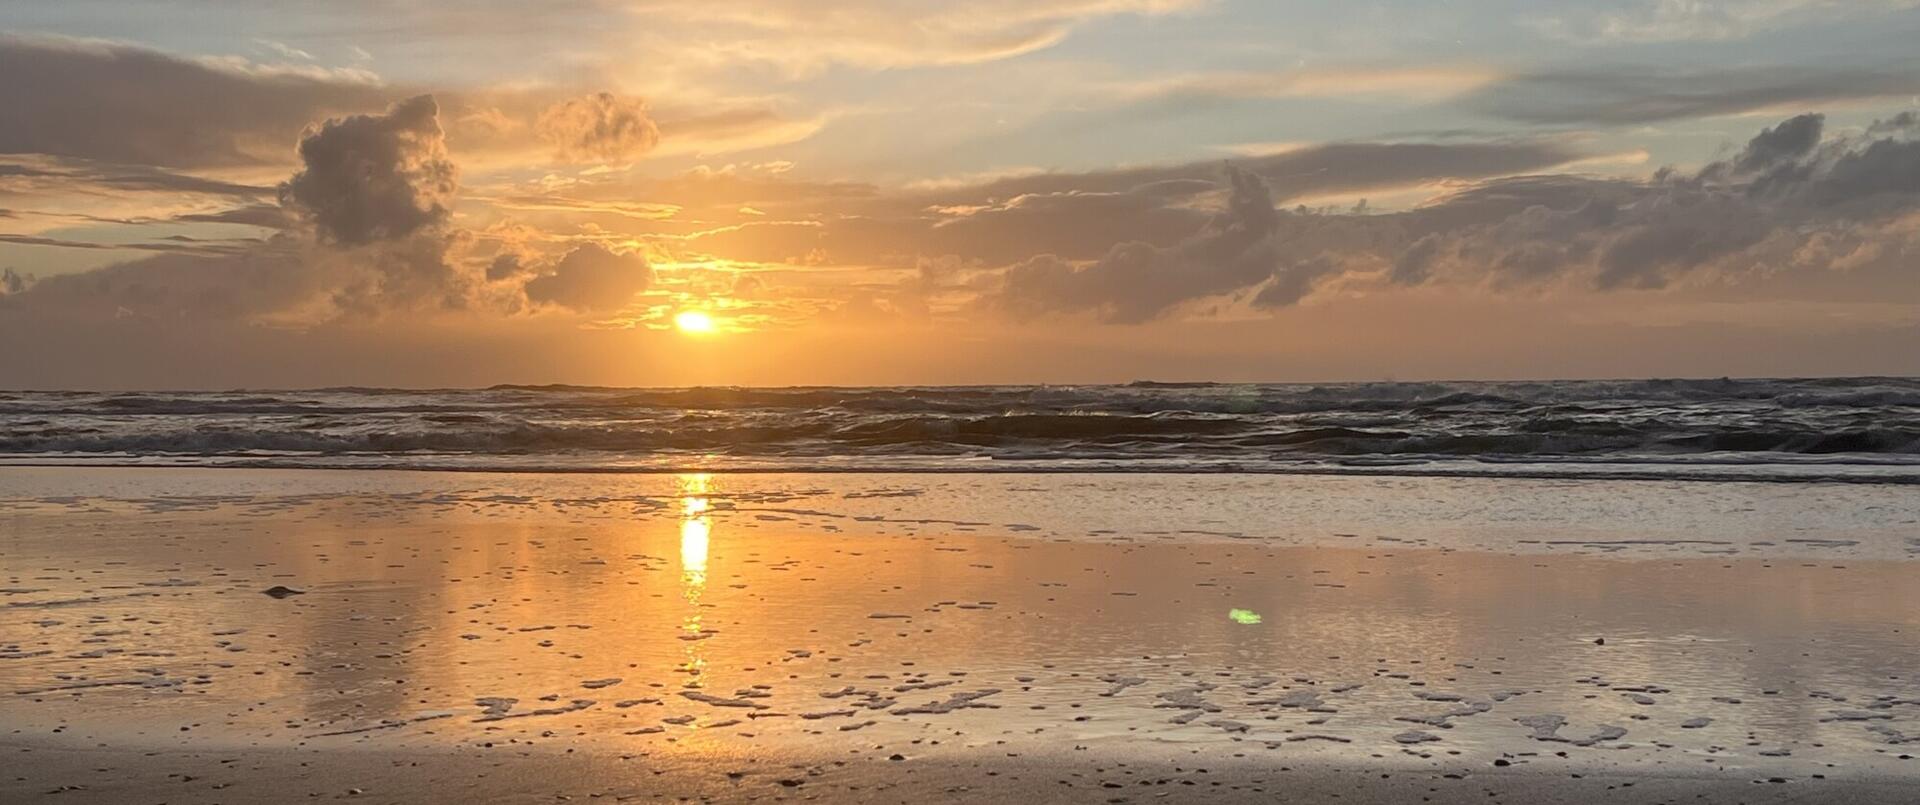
(1790, 141)
(1128, 245)
(599, 127)
(1304, 172)
(1792, 198)
(591, 278)
(1885, 171)
(130, 105)
(172, 287)
(505, 267)
(1794, 162)
(140, 178)
(374, 177)
(1775, 159)
(1292, 283)
(413, 273)
(173, 243)
(271, 216)
(1415, 265)
(1790, 186)
(1633, 96)
(1080, 216)
(80, 174)
(1903, 123)
(1071, 224)
(243, 280)
(1137, 281)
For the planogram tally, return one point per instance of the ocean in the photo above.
(1830, 429)
(1817, 429)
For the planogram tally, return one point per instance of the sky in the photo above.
(270, 193)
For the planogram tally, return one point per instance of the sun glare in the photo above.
(693, 321)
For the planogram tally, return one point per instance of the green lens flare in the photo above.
(1244, 617)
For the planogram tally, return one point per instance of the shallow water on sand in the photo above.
(869, 615)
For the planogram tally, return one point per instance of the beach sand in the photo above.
(173, 635)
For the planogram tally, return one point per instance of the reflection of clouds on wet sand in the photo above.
(536, 619)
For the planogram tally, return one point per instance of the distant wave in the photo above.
(1867, 425)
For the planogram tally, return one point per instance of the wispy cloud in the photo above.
(1627, 96)
(805, 38)
(1641, 21)
(1418, 83)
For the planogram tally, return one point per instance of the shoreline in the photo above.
(1638, 519)
(1397, 468)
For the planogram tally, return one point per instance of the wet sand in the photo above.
(437, 637)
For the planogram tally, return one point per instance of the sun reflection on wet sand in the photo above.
(696, 528)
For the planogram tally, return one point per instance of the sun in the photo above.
(693, 321)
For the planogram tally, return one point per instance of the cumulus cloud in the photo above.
(376, 191)
(374, 177)
(364, 231)
(599, 127)
(591, 278)
(364, 234)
